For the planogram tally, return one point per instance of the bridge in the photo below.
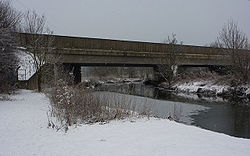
(82, 51)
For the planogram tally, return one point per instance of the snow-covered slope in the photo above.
(24, 132)
(27, 68)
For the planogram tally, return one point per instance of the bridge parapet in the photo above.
(107, 44)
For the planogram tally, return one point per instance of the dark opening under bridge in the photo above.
(82, 51)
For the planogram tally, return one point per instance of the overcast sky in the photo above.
(194, 22)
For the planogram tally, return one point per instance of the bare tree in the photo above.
(40, 45)
(232, 37)
(235, 42)
(168, 66)
(214, 44)
(9, 22)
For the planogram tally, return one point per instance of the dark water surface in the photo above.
(212, 113)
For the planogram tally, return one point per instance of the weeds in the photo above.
(4, 97)
(73, 105)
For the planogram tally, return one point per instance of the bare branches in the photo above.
(232, 37)
(40, 45)
(235, 41)
(9, 22)
(35, 24)
(168, 66)
(9, 17)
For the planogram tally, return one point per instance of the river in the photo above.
(212, 113)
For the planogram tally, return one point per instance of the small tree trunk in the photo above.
(39, 81)
(55, 73)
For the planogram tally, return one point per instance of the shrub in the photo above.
(73, 105)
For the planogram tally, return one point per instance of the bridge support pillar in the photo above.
(77, 73)
(55, 68)
(156, 73)
(74, 69)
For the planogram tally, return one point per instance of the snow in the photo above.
(27, 68)
(24, 132)
(248, 90)
(192, 87)
(207, 86)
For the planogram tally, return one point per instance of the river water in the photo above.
(212, 113)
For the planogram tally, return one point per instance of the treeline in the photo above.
(12, 21)
(9, 22)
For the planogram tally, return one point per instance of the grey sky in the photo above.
(194, 21)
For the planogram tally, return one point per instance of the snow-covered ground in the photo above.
(24, 132)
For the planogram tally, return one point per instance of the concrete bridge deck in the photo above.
(94, 51)
(74, 52)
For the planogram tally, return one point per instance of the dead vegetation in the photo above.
(74, 105)
(213, 77)
(197, 76)
(168, 67)
(235, 42)
(9, 22)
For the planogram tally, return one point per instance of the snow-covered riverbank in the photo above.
(208, 88)
(23, 129)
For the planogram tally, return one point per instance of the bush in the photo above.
(8, 79)
(197, 76)
(73, 105)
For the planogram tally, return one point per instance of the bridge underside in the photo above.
(139, 60)
(111, 65)
(75, 68)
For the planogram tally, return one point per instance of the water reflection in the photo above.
(225, 118)
(213, 114)
(181, 112)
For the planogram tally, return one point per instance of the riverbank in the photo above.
(209, 89)
(212, 85)
(213, 88)
(23, 128)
